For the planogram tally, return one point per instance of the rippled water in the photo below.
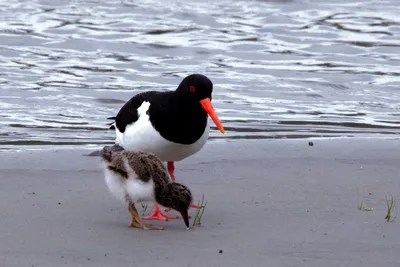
(281, 69)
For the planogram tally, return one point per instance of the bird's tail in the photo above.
(112, 124)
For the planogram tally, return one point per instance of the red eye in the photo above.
(192, 89)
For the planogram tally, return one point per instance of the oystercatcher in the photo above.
(133, 176)
(171, 124)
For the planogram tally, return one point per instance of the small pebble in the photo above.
(59, 203)
(310, 143)
(221, 251)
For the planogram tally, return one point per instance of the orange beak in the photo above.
(207, 106)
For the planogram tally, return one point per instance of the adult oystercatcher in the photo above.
(133, 176)
(171, 124)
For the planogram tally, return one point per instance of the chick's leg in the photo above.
(136, 220)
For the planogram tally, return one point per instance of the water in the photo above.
(281, 69)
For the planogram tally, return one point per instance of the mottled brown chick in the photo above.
(134, 176)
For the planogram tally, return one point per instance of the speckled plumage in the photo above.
(140, 176)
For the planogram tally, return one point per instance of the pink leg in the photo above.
(158, 215)
(171, 170)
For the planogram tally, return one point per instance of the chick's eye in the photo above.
(192, 89)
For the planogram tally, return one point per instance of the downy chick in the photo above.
(134, 176)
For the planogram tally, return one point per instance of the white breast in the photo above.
(115, 185)
(135, 189)
(140, 191)
(141, 135)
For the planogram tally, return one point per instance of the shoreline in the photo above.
(21, 148)
(275, 202)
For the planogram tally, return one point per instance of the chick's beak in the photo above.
(207, 106)
(185, 217)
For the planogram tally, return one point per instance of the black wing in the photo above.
(128, 113)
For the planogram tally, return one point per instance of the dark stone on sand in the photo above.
(310, 143)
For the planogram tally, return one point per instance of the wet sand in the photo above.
(270, 203)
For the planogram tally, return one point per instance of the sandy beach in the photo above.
(270, 203)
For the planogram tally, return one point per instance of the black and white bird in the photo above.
(171, 124)
(133, 176)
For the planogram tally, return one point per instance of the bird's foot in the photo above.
(158, 215)
(145, 226)
(137, 222)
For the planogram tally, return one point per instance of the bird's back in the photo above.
(176, 121)
(133, 175)
(128, 113)
(147, 166)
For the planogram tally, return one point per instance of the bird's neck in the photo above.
(162, 194)
(186, 108)
(181, 122)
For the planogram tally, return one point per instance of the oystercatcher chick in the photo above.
(171, 124)
(134, 176)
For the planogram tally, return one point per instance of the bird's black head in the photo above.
(176, 196)
(197, 88)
